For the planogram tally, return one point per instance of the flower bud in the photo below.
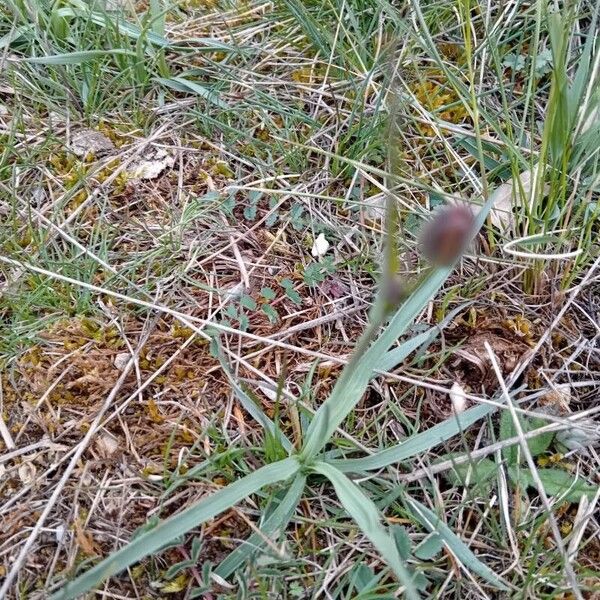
(446, 235)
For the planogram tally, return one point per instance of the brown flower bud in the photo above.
(446, 235)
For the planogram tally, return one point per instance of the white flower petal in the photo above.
(457, 397)
(320, 246)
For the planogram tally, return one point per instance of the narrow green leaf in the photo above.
(157, 17)
(363, 510)
(315, 32)
(556, 482)
(74, 58)
(177, 525)
(461, 551)
(129, 29)
(394, 357)
(478, 472)
(185, 85)
(135, 33)
(416, 444)
(581, 79)
(276, 521)
(390, 360)
(14, 34)
(507, 431)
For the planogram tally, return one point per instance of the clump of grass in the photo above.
(310, 459)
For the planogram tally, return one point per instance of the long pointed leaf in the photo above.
(73, 58)
(394, 357)
(461, 551)
(390, 360)
(368, 518)
(177, 525)
(277, 520)
(185, 85)
(416, 444)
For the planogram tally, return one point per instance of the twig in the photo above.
(44, 443)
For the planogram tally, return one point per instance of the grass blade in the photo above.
(395, 356)
(416, 444)
(74, 58)
(368, 518)
(177, 525)
(277, 520)
(185, 85)
(461, 551)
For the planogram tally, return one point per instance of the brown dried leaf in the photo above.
(557, 401)
(473, 352)
(27, 472)
(85, 541)
(106, 445)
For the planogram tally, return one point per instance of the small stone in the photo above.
(87, 142)
(152, 164)
(121, 360)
